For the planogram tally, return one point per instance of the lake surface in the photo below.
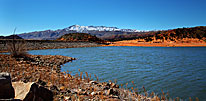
(181, 71)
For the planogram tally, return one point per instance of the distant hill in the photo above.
(80, 37)
(10, 37)
(177, 34)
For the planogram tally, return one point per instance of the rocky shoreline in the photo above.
(44, 71)
(45, 44)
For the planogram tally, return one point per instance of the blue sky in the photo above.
(37, 15)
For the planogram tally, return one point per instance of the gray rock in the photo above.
(31, 92)
(6, 89)
(110, 91)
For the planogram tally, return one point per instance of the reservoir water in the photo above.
(181, 71)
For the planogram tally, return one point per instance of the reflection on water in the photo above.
(179, 70)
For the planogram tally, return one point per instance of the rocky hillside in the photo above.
(80, 37)
(177, 34)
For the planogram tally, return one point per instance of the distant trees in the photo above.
(180, 33)
(196, 32)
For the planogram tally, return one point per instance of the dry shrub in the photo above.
(17, 48)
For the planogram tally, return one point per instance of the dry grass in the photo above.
(17, 48)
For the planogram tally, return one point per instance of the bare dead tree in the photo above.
(17, 48)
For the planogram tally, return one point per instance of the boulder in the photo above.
(109, 92)
(6, 89)
(112, 91)
(31, 92)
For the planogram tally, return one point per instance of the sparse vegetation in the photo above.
(17, 48)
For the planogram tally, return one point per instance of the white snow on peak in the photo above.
(79, 28)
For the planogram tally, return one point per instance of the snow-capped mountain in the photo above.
(79, 28)
(99, 31)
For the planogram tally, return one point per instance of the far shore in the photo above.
(161, 44)
(50, 44)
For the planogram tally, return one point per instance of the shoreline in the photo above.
(45, 70)
(150, 44)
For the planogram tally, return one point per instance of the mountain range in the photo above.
(84, 29)
(102, 32)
